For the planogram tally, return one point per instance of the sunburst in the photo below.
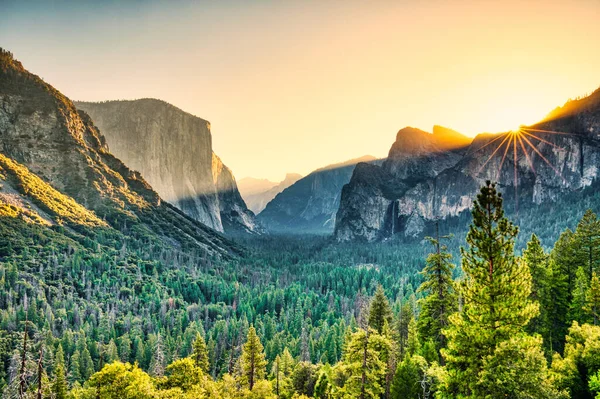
(521, 140)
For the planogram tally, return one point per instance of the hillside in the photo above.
(309, 205)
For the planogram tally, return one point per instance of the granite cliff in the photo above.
(54, 157)
(425, 178)
(172, 150)
(310, 204)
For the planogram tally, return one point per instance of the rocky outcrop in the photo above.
(235, 216)
(41, 129)
(310, 204)
(172, 150)
(425, 178)
(257, 193)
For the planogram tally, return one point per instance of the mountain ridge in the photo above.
(52, 142)
(413, 188)
(309, 205)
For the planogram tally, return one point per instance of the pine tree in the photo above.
(404, 319)
(380, 311)
(537, 261)
(59, 386)
(441, 300)
(558, 307)
(587, 237)
(496, 306)
(577, 311)
(253, 360)
(592, 305)
(158, 362)
(200, 353)
(86, 364)
(564, 255)
(406, 380)
(413, 345)
(365, 358)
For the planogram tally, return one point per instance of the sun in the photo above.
(518, 131)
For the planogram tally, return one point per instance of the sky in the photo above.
(291, 86)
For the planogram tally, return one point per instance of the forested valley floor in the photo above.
(506, 316)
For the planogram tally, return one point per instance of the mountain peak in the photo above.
(449, 138)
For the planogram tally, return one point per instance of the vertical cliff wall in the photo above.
(173, 151)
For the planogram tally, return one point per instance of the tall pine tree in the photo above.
(253, 360)
(200, 353)
(496, 309)
(537, 261)
(587, 236)
(380, 311)
(441, 300)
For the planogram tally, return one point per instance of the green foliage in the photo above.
(594, 384)
(407, 379)
(587, 239)
(592, 299)
(497, 304)
(253, 361)
(364, 363)
(62, 206)
(200, 354)
(59, 385)
(539, 267)
(380, 311)
(105, 297)
(581, 360)
(440, 301)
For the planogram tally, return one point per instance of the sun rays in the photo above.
(525, 140)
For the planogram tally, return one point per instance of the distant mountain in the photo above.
(309, 205)
(57, 173)
(252, 185)
(172, 150)
(257, 193)
(426, 177)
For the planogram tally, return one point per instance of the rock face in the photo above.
(257, 193)
(44, 134)
(310, 204)
(172, 150)
(427, 177)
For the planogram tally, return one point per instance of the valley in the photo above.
(133, 263)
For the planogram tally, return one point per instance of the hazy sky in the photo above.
(290, 86)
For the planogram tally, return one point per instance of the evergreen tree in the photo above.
(558, 307)
(576, 311)
(86, 364)
(537, 261)
(440, 300)
(74, 368)
(380, 311)
(592, 300)
(365, 361)
(496, 306)
(158, 362)
(253, 360)
(59, 386)
(200, 353)
(564, 255)
(587, 237)
(406, 380)
(405, 317)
